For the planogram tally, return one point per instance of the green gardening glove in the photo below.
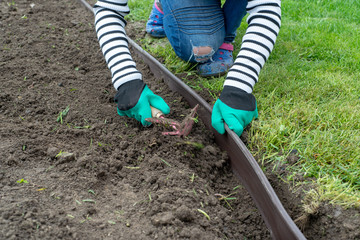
(236, 108)
(134, 100)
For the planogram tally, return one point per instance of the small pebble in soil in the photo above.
(52, 152)
(162, 218)
(66, 157)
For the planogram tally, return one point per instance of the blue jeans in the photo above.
(191, 24)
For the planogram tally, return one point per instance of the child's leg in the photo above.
(195, 29)
(222, 60)
(154, 25)
(234, 11)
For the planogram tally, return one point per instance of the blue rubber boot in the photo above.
(220, 63)
(154, 25)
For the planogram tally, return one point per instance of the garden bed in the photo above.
(71, 168)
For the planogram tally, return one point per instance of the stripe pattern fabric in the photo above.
(110, 31)
(264, 22)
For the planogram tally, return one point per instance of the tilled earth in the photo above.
(71, 168)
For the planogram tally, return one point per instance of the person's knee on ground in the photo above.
(202, 54)
(219, 63)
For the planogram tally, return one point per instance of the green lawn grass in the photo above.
(308, 93)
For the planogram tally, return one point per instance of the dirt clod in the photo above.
(184, 213)
(162, 218)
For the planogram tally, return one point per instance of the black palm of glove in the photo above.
(134, 99)
(236, 108)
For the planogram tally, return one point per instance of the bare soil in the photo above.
(91, 174)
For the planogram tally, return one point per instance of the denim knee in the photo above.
(195, 29)
(202, 53)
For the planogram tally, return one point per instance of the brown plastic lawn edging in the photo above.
(244, 166)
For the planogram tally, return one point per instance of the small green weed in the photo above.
(62, 114)
(204, 213)
(89, 200)
(226, 198)
(12, 3)
(168, 164)
(22, 181)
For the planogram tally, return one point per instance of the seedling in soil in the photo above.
(238, 186)
(132, 167)
(82, 127)
(139, 202)
(140, 158)
(86, 219)
(49, 168)
(62, 114)
(12, 3)
(54, 195)
(103, 145)
(60, 153)
(168, 164)
(91, 191)
(226, 199)
(22, 181)
(131, 135)
(192, 177)
(194, 144)
(89, 200)
(205, 214)
(120, 212)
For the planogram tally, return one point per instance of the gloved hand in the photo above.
(134, 99)
(236, 108)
